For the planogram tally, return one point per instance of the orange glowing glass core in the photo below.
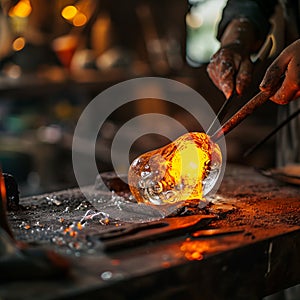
(186, 169)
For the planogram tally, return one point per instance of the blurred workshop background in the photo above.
(56, 56)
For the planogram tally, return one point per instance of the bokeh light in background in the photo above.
(79, 20)
(74, 15)
(18, 44)
(69, 12)
(22, 9)
(19, 15)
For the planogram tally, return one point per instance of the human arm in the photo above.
(242, 31)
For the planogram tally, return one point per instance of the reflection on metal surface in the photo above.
(194, 250)
(197, 249)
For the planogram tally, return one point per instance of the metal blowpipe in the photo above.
(240, 115)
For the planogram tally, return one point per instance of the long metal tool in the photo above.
(222, 112)
(240, 115)
(273, 132)
(135, 234)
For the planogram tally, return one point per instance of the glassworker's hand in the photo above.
(283, 75)
(230, 69)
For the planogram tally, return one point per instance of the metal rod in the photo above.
(274, 131)
(222, 112)
(239, 116)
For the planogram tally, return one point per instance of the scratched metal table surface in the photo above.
(258, 259)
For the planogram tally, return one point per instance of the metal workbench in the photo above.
(256, 255)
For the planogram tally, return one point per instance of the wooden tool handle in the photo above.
(239, 116)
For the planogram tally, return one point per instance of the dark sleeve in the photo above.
(258, 13)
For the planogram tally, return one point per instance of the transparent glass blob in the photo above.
(186, 169)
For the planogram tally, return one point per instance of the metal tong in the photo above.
(132, 235)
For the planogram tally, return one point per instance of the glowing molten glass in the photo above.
(186, 169)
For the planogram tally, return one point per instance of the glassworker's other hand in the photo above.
(230, 69)
(283, 76)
